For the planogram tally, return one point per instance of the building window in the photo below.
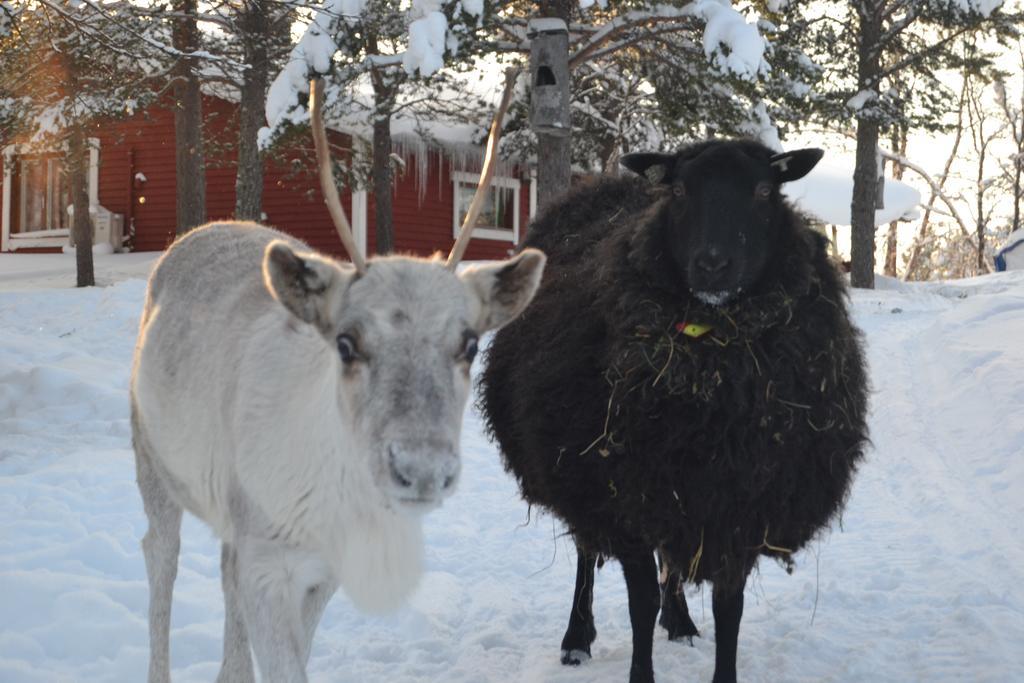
(499, 217)
(43, 195)
(36, 196)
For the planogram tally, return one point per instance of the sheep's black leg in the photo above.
(727, 607)
(581, 632)
(642, 587)
(675, 617)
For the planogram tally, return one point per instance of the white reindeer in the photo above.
(309, 411)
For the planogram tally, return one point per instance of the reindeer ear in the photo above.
(796, 164)
(654, 166)
(503, 290)
(310, 286)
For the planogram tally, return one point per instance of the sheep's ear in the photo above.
(654, 166)
(310, 286)
(796, 164)
(502, 290)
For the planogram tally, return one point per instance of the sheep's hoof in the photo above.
(644, 674)
(575, 657)
(679, 627)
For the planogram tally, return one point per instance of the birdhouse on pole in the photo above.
(549, 76)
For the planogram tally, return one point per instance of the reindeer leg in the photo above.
(237, 664)
(675, 617)
(313, 604)
(581, 631)
(641, 576)
(160, 546)
(283, 593)
(727, 607)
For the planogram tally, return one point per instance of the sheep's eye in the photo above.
(469, 349)
(679, 190)
(347, 348)
(763, 191)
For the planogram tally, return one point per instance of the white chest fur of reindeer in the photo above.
(308, 413)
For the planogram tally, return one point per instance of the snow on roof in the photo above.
(1011, 256)
(827, 192)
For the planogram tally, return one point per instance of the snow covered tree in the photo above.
(372, 50)
(983, 128)
(261, 28)
(645, 74)
(892, 72)
(67, 68)
(896, 42)
(190, 162)
(681, 63)
(1013, 115)
(250, 40)
(660, 86)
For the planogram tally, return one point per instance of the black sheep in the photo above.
(687, 379)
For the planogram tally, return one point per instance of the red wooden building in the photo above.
(132, 192)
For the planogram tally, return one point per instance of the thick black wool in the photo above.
(719, 448)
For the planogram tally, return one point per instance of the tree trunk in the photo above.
(1017, 134)
(925, 229)
(977, 117)
(255, 23)
(891, 250)
(865, 179)
(554, 168)
(982, 219)
(78, 183)
(554, 154)
(899, 146)
(189, 166)
(1018, 191)
(1015, 121)
(382, 186)
(865, 174)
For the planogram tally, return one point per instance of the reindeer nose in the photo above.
(422, 473)
(711, 262)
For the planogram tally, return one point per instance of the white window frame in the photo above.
(42, 238)
(492, 233)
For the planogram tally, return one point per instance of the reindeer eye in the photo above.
(347, 348)
(763, 191)
(679, 190)
(469, 349)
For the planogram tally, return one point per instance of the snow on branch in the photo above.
(730, 43)
(937, 191)
(744, 47)
(427, 33)
(428, 39)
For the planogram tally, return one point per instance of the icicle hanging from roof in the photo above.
(415, 151)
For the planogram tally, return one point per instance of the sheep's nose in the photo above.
(421, 473)
(711, 262)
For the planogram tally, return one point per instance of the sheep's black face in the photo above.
(721, 221)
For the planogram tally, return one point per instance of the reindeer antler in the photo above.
(323, 157)
(486, 174)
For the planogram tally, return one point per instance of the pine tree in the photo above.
(378, 46)
(66, 69)
(251, 42)
(885, 74)
(681, 63)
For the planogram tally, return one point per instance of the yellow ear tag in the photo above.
(693, 330)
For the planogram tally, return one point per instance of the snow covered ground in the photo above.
(921, 583)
